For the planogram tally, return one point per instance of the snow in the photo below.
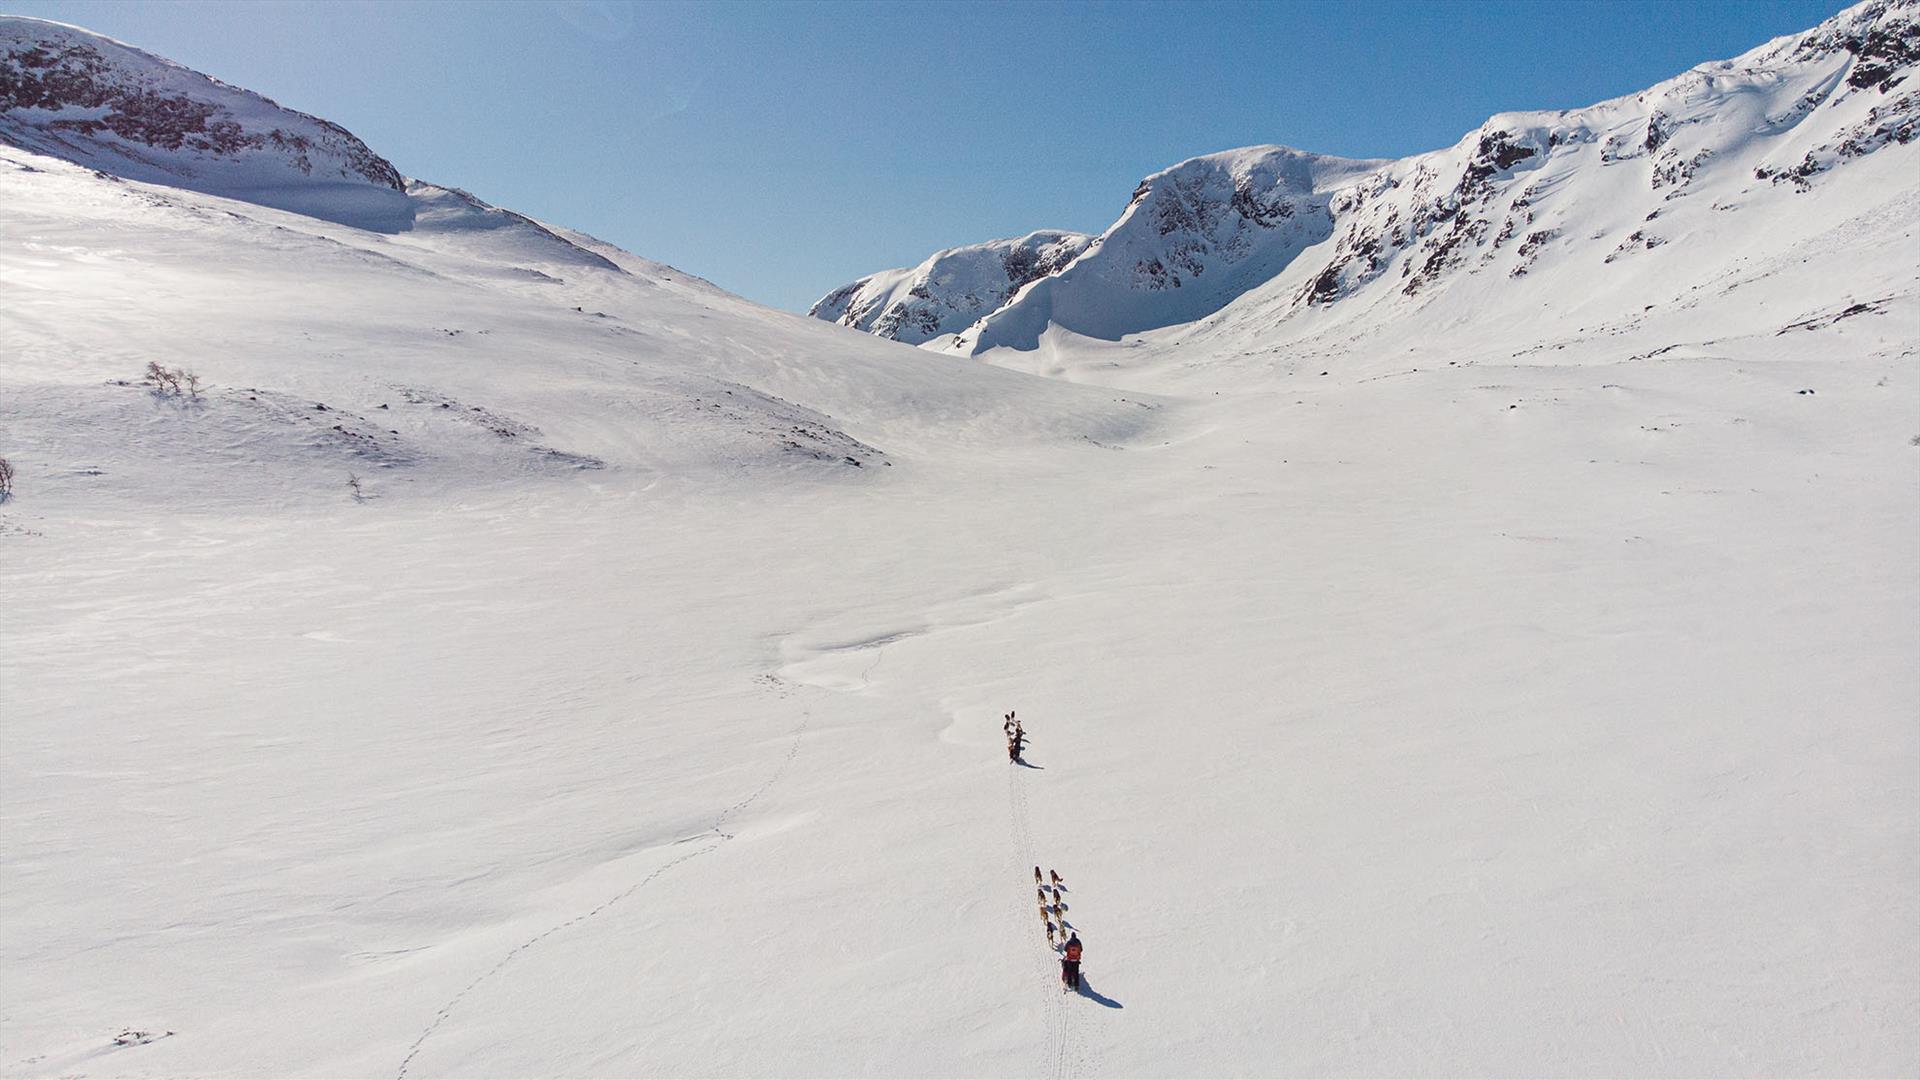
(1505, 679)
(1280, 245)
(1194, 237)
(951, 289)
(77, 95)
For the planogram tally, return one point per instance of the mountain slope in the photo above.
(268, 223)
(950, 289)
(470, 336)
(1585, 196)
(74, 94)
(519, 658)
(1574, 201)
(1192, 238)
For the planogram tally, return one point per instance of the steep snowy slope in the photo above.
(1728, 158)
(74, 94)
(951, 289)
(1646, 200)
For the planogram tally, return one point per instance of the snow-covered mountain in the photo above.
(436, 642)
(101, 139)
(951, 289)
(1192, 238)
(1629, 197)
(78, 95)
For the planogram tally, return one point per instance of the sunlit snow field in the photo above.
(1496, 716)
(519, 658)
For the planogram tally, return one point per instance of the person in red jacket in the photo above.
(1070, 964)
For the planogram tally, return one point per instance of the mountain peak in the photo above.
(1276, 169)
(951, 289)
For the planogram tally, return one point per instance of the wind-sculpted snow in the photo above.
(74, 94)
(951, 289)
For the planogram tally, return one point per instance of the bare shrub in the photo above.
(171, 382)
(163, 380)
(6, 479)
(353, 485)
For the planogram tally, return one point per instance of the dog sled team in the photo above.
(1061, 936)
(1016, 737)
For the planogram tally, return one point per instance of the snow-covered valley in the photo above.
(1411, 690)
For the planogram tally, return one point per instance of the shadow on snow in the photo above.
(1087, 991)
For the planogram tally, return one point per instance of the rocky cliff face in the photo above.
(951, 289)
(77, 95)
(1271, 235)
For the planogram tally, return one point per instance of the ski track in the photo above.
(717, 829)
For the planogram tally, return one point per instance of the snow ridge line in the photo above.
(717, 829)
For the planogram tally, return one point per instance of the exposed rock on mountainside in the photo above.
(951, 289)
(463, 640)
(1882, 35)
(1459, 208)
(1192, 238)
(74, 94)
(1294, 236)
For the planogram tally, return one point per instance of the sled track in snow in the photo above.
(1065, 1051)
(720, 838)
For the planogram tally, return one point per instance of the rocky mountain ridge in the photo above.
(84, 97)
(1572, 193)
(126, 113)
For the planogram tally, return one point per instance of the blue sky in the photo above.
(782, 149)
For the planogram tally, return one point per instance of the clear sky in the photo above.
(781, 149)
